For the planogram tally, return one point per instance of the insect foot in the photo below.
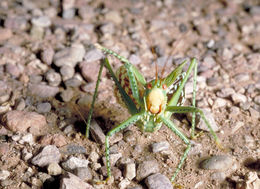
(197, 135)
(177, 186)
(108, 181)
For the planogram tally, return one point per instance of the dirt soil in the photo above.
(36, 40)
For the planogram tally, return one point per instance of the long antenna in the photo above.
(153, 52)
(172, 52)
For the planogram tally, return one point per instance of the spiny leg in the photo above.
(188, 109)
(170, 125)
(94, 99)
(120, 127)
(194, 100)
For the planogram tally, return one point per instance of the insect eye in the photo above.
(149, 86)
(164, 86)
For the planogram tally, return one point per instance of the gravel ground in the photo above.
(48, 70)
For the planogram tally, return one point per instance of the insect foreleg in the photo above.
(120, 127)
(94, 99)
(170, 125)
(174, 100)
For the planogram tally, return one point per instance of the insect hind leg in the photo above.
(195, 72)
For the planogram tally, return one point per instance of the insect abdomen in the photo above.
(123, 79)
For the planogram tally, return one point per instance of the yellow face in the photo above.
(155, 101)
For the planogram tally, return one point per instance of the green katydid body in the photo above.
(149, 103)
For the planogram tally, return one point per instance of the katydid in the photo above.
(150, 104)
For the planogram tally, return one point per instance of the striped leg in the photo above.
(93, 100)
(120, 127)
(187, 109)
(170, 125)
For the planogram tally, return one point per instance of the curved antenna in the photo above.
(153, 52)
(172, 52)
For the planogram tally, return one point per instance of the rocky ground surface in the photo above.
(48, 69)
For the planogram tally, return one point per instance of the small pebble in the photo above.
(43, 91)
(54, 169)
(37, 32)
(124, 183)
(257, 99)
(13, 70)
(44, 107)
(19, 23)
(68, 129)
(226, 54)
(43, 176)
(49, 154)
(254, 113)
(218, 176)
(218, 162)
(130, 171)
(158, 180)
(97, 133)
(129, 136)
(4, 98)
(57, 139)
(83, 172)
(4, 174)
(183, 28)
(225, 92)
(34, 79)
(69, 180)
(47, 55)
(146, 168)
(134, 59)
(234, 111)
(53, 78)
(238, 98)
(26, 155)
(114, 16)
(219, 103)
(93, 55)
(71, 149)
(74, 162)
(42, 21)
(113, 158)
(160, 146)
(69, 56)
(27, 138)
(89, 71)
(73, 82)
(244, 106)
(20, 105)
(93, 156)
(67, 72)
(5, 34)
(115, 172)
(67, 95)
(33, 120)
(241, 77)
(136, 187)
(16, 137)
(4, 148)
(68, 13)
(212, 81)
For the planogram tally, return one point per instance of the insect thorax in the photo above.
(149, 123)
